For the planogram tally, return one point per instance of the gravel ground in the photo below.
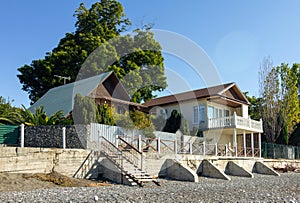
(285, 188)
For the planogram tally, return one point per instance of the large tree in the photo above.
(255, 107)
(280, 103)
(136, 58)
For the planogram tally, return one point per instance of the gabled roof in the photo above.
(62, 97)
(229, 91)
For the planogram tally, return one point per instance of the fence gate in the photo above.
(9, 134)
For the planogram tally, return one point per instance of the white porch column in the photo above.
(234, 119)
(252, 144)
(259, 144)
(234, 141)
(244, 143)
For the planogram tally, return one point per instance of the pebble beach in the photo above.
(261, 188)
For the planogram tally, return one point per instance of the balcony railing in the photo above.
(235, 122)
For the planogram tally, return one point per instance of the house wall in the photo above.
(186, 108)
(218, 136)
(244, 112)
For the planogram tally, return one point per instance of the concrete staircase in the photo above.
(128, 160)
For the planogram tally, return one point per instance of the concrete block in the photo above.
(236, 170)
(261, 168)
(208, 169)
(176, 171)
(111, 172)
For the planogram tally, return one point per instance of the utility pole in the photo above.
(63, 77)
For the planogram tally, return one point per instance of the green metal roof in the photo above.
(62, 97)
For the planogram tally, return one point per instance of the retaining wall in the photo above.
(41, 160)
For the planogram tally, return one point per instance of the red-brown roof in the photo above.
(218, 90)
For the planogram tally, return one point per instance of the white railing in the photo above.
(235, 121)
(221, 122)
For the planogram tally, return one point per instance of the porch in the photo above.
(235, 122)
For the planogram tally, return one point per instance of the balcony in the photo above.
(235, 122)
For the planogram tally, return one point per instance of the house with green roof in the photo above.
(105, 88)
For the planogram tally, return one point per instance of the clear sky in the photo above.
(235, 34)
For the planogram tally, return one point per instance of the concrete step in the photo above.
(146, 180)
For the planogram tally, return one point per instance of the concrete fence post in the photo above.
(216, 149)
(64, 137)
(22, 134)
(140, 143)
(204, 149)
(226, 150)
(175, 146)
(191, 147)
(158, 145)
(117, 141)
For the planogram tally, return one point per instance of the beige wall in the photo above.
(244, 111)
(186, 108)
(41, 160)
(218, 136)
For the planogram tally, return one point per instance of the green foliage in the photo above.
(123, 120)
(176, 121)
(184, 127)
(105, 115)
(284, 136)
(295, 136)
(280, 107)
(143, 122)
(289, 95)
(15, 116)
(254, 110)
(40, 117)
(173, 122)
(9, 115)
(159, 122)
(136, 59)
(84, 110)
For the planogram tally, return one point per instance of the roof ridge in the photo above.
(191, 91)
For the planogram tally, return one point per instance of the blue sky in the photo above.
(235, 34)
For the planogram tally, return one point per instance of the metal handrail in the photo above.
(132, 154)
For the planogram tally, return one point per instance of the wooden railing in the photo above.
(248, 152)
(134, 148)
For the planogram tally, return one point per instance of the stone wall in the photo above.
(41, 160)
(51, 136)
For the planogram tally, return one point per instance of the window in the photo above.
(196, 114)
(202, 114)
(220, 114)
(162, 111)
(210, 112)
(226, 113)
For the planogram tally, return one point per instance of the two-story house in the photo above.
(220, 113)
